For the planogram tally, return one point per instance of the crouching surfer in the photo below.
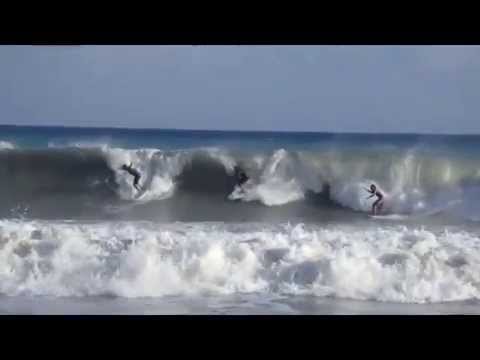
(135, 173)
(240, 176)
(378, 204)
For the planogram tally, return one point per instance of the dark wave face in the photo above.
(199, 184)
(53, 182)
(204, 176)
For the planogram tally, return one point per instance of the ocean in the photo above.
(77, 238)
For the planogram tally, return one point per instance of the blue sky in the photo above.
(422, 89)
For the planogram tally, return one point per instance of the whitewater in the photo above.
(298, 238)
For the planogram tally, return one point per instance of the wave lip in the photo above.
(132, 259)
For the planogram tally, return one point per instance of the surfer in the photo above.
(240, 175)
(135, 173)
(378, 204)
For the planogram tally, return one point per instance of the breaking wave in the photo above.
(413, 182)
(144, 259)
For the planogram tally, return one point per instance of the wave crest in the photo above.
(411, 182)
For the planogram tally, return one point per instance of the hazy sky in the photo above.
(304, 88)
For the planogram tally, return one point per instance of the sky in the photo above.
(420, 89)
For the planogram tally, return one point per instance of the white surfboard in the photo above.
(237, 193)
(140, 194)
(389, 217)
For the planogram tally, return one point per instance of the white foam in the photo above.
(279, 181)
(99, 143)
(157, 180)
(132, 259)
(159, 169)
(273, 192)
(6, 145)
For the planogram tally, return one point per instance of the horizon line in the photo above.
(240, 131)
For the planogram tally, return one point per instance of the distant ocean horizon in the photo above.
(146, 128)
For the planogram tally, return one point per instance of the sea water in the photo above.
(76, 238)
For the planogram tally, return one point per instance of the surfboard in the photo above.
(140, 194)
(237, 193)
(389, 217)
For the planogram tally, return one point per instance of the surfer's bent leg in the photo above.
(380, 206)
(374, 207)
(135, 182)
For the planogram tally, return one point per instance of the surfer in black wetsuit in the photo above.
(135, 173)
(378, 204)
(240, 175)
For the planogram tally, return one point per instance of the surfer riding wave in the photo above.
(378, 204)
(240, 176)
(135, 173)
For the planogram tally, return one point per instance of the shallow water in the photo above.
(230, 305)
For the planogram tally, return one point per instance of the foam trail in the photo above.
(278, 183)
(6, 145)
(131, 259)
